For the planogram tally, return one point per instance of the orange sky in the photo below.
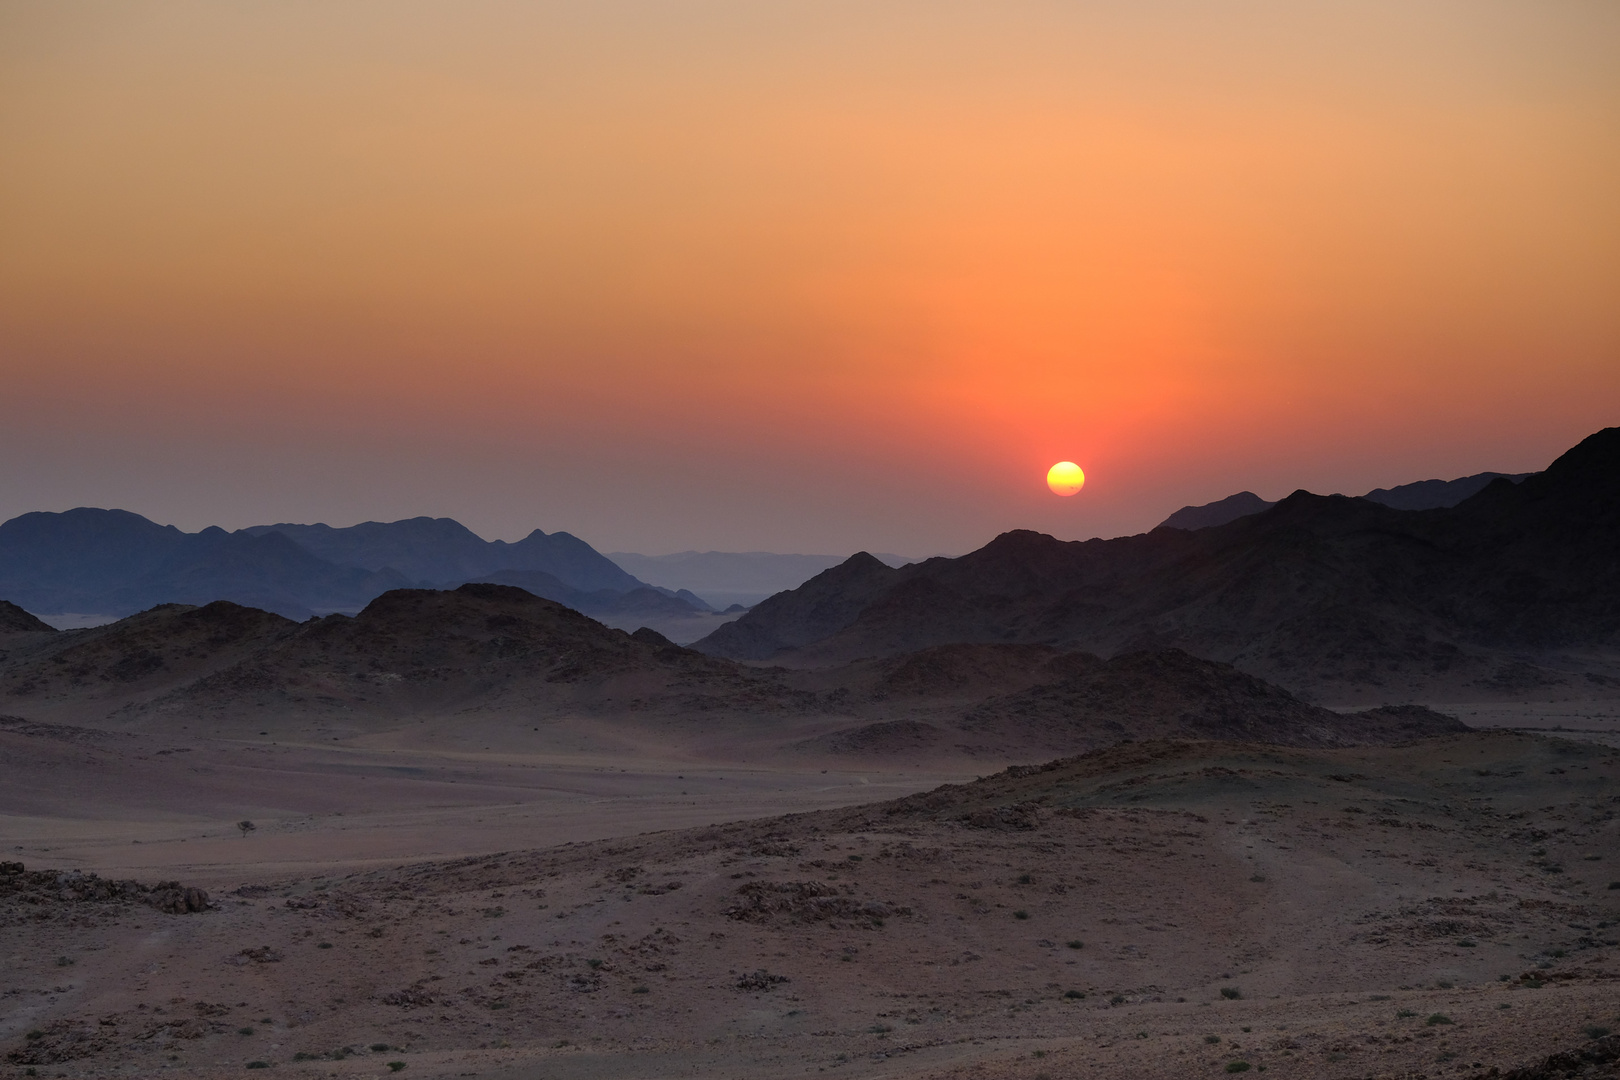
(796, 276)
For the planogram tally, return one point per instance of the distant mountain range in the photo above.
(1515, 589)
(1422, 495)
(114, 563)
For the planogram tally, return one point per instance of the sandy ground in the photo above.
(1308, 912)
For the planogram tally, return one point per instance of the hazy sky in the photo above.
(796, 276)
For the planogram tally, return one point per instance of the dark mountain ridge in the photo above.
(1419, 495)
(1320, 593)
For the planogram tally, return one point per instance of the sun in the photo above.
(1065, 478)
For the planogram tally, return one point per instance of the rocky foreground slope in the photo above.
(1152, 910)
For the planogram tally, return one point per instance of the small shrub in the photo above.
(35, 1035)
(258, 1064)
(324, 945)
(64, 961)
(1257, 877)
(1231, 993)
(1020, 914)
(378, 1048)
(1437, 1018)
(594, 964)
(1024, 879)
(1212, 1039)
(244, 1031)
(395, 1066)
(1117, 999)
(1237, 1066)
(1077, 944)
(640, 990)
(1614, 884)
(303, 1056)
(1405, 1014)
(1595, 1031)
(1073, 995)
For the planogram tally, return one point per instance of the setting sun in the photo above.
(1065, 478)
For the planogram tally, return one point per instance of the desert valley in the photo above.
(1331, 789)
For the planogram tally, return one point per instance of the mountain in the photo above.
(497, 655)
(1209, 515)
(14, 620)
(114, 562)
(1438, 494)
(1514, 588)
(724, 578)
(442, 551)
(1421, 495)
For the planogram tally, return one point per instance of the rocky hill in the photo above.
(515, 660)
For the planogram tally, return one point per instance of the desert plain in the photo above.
(435, 906)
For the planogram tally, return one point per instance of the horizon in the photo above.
(722, 551)
(813, 278)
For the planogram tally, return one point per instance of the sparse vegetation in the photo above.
(1437, 1018)
(1074, 995)
(1237, 1066)
(1212, 1039)
(1077, 944)
(378, 1048)
(1020, 914)
(246, 827)
(1595, 1031)
(395, 1066)
(1231, 993)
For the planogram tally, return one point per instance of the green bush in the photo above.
(1231, 993)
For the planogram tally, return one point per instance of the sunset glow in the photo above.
(489, 260)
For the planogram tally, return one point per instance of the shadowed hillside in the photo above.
(1516, 588)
